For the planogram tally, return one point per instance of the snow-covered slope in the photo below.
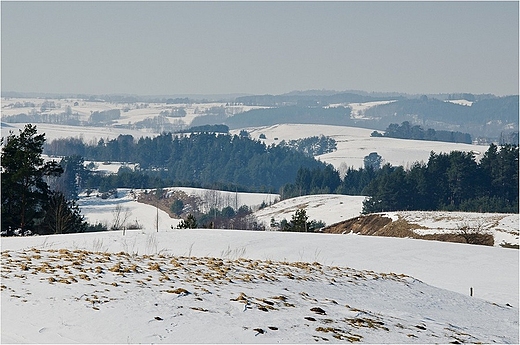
(504, 227)
(167, 286)
(97, 210)
(353, 144)
(329, 208)
(92, 291)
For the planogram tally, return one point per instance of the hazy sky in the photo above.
(174, 48)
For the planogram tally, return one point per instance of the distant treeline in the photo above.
(448, 181)
(200, 159)
(407, 131)
(308, 100)
(291, 114)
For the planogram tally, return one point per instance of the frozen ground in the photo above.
(232, 286)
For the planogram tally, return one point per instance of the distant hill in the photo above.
(487, 117)
(291, 114)
(309, 98)
(479, 115)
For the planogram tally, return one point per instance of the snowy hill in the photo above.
(232, 286)
(330, 208)
(224, 286)
(353, 144)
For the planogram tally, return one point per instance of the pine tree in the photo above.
(298, 222)
(189, 223)
(24, 191)
(62, 216)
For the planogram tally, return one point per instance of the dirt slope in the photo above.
(378, 225)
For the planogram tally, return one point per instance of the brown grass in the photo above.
(377, 225)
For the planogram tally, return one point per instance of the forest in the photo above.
(199, 159)
(452, 181)
(415, 132)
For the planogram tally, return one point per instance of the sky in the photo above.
(179, 48)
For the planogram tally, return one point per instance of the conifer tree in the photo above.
(24, 191)
(28, 203)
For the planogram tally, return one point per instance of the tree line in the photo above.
(449, 181)
(453, 181)
(198, 159)
(415, 132)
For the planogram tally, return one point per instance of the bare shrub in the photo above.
(475, 234)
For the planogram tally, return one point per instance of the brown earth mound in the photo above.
(378, 225)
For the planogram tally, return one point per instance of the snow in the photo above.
(330, 208)
(359, 109)
(461, 102)
(89, 134)
(235, 286)
(353, 144)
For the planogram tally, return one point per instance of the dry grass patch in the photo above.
(340, 334)
(179, 291)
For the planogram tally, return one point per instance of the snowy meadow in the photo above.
(233, 286)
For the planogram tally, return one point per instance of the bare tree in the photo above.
(121, 215)
(212, 199)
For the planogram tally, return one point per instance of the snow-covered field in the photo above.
(89, 134)
(232, 286)
(353, 144)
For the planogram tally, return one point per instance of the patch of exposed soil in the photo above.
(165, 201)
(379, 225)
